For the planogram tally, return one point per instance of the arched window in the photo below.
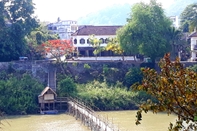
(75, 41)
(106, 40)
(88, 41)
(102, 40)
(82, 41)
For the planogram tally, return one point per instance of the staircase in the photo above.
(52, 79)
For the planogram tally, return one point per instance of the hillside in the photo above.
(117, 14)
(113, 15)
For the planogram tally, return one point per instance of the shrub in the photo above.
(86, 66)
(107, 97)
(66, 87)
(132, 76)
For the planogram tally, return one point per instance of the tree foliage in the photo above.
(36, 38)
(66, 87)
(19, 93)
(189, 18)
(57, 48)
(114, 46)
(16, 21)
(175, 88)
(106, 97)
(146, 31)
(132, 76)
(96, 44)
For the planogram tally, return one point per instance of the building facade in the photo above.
(64, 28)
(81, 37)
(175, 21)
(193, 37)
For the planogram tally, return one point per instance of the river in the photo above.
(125, 120)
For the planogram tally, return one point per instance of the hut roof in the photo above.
(45, 90)
(193, 34)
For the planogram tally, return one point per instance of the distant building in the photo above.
(175, 21)
(193, 37)
(81, 38)
(64, 28)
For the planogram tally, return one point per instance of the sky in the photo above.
(50, 10)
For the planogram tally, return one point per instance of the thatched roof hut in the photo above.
(47, 96)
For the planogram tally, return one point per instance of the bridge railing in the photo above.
(80, 103)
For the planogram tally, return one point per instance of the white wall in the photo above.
(87, 37)
(193, 43)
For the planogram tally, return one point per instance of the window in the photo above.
(75, 41)
(49, 28)
(82, 41)
(54, 28)
(106, 40)
(102, 40)
(88, 41)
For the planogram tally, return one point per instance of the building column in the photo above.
(87, 52)
(193, 58)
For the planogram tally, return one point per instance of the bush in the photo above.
(132, 76)
(19, 94)
(66, 87)
(194, 67)
(86, 66)
(107, 97)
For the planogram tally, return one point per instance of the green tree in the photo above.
(175, 39)
(66, 87)
(189, 18)
(132, 76)
(175, 89)
(38, 36)
(21, 94)
(146, 31)
(124, 36)
(16, 21)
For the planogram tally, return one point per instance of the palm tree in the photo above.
(96, 44)
(175, 36)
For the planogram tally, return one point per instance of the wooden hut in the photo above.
(47, 99)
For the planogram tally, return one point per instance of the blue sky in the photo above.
(50, 10)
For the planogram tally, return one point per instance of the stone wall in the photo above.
(82, 72)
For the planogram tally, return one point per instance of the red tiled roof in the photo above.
(193, 34)
(97, 30)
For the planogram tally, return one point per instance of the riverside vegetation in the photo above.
(19, 91)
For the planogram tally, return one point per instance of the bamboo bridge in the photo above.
(51, 104)
(89, 117)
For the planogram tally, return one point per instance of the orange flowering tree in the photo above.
(175, 88)
(58, 49)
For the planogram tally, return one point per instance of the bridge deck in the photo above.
(89, 117)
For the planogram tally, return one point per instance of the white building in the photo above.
(175, 21)
(64, 28)
(193, 37)
(81, 38)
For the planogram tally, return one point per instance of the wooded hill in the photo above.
(117, 14)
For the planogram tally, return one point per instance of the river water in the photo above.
(125, 120)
